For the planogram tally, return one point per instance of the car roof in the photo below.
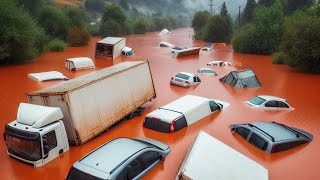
(277, 131)
(270, 98)
(186, 73)
(110, 155)
(215, 62)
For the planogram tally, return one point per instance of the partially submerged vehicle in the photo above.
(269, 102)
(209, 158)
(127, 51)
(271, 137)
(165, 44)
(185, 79)
(79, 63)
(207, 71)
(120, 159)
(187, 52)
(164, 32)
(176, 49)
(47, 76)
(219, 63)
(110, 47)
(242, 79)
(206, 49)
(181, 113)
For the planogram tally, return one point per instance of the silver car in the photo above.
(271, 136)
(120, 159)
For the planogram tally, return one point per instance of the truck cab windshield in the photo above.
(25, 145)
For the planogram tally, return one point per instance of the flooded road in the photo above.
(301, 91)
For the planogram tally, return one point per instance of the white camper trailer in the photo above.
(209, 158)
(79, 63)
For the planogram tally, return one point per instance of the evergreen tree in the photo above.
(267, 2)
(224, 10)
(113, 21)
(291, 5)
(248, 11)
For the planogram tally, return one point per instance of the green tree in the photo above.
(291, 5)
(113, 21)
(55, 22)
(33, 6)
(142, 25)
(199, 22)
(266, 2)
(248, 11)
(94, 5)
(301, 43)
(218, 29)
(224, 10)
(20, 37)
(265, 30)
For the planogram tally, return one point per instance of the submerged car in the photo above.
(176, 49)
(272, 137)
(269, 102)
(185, 79)
(207, 71)
(120, 159)
(206, 49)
(219, 63)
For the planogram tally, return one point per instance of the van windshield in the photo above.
(26, 149)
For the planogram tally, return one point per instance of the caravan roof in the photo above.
(209, 157)
(242, 79)
(111, 40)
(81, 62)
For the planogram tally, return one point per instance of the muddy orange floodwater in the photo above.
(301, 90)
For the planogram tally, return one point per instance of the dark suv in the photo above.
(272, 136)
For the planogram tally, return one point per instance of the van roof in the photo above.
(209, 157)
(164, 115)
(186, 103)
(88, 78)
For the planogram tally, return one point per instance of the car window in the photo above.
(182, 76)
(134, 169)
(229, 79)
(195, 79)
(213, 106)
(180, 123)
(271, 104)
(148, 158)
(282, 105)
(286, 146)
(257, 100)
(258, 141)
(198, 79)
(244, 132)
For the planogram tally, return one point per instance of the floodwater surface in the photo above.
(301, 91)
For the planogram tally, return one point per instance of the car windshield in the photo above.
(27, 149)
(257, 100)
(182, 76)
(76, 174)
(207, 71)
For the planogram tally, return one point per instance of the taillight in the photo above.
(156, 119)
(187, 82)
(273, 149)
(172, 127)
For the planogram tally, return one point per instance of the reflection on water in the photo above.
(301, 90)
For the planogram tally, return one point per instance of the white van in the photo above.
(126, 51)
(181, 113)
(209, 158)
(79, 63)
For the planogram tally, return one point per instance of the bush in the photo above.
(301, 43)
(142, 25)
(280, 58)
(55, 22)
(57, 45)
(78, 36)
(20, 37)
(245, 40)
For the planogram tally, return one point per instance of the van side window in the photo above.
(148, 158)
(213, 106)
(51, 139)
(244, 132)
(258, 141)
(180, 123)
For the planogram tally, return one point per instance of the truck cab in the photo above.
(126, 51)
(37, 136)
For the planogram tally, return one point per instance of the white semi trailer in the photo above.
(89, 104)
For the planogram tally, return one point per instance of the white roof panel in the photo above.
(164, 115)
(81, 62)
(111, 40)
(47, 76)
(186, 103)
(38, 116)
(209, 157)
(164, 32)
(166, 44)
